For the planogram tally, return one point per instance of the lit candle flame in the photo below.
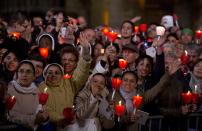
(45, 90)
(186, 53)
(119, 103)
(12, 97)
(188, 92)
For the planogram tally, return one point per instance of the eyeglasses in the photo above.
(57, 73)
(26, 72)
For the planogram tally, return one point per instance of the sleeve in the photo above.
(150, 94)
(80, 74)
(84, 107)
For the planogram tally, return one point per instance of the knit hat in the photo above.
(187, 31)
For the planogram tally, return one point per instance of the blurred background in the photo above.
(113, 12)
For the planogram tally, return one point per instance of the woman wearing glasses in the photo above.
(24, 112)
(61, 88)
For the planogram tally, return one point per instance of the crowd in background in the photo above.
(75, 65)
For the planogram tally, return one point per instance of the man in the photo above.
(130, 54)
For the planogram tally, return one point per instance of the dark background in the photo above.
(189, 11)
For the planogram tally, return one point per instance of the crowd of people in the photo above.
(56, 73)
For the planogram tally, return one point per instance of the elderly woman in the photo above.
(62, 89)
(24, 112)
(92, 108)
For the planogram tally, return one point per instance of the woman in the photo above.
(92, 108)
(62, 89)
(10, 61)
(24, 113)
(128, 89)
(196, 80)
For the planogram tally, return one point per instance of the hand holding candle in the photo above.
(10, 102)
(137, 101)
(43, 97)
(184, 58)
(187, 97)
(69, 113)
(119, 110)
(16, 35)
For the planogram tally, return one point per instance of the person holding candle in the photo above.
(129, 89)
(92, 108)
(62, 91)
(24, 112)
(130, 54)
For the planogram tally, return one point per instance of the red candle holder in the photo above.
(16, 35)
(184, 58)
(187, 97)
(119, 110)
(123, 64)
(143, 28)
(198, 34)
(116, 83)
(195, 98)
(112, 36)
(43, 97)
(43, 52)
(10, 102)
(137, 101)
(136, 29)
(67, 76)
(69, 113)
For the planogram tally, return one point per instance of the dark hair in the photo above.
(173, 35)
(25, 62)
(142, 57)
(128, 21)
(37, 57)
(100, 74)
(69, 49)
(198, 61)
(130, 72)
(11, 51)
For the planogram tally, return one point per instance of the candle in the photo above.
(137, 101)
(67, 76)
(184, 58)
(10, 102)
(123, 64)
(43, 97)
(116, 83)
(16, 35)
(143, 28)
(43, 52)
(198, 34)
(195, 95)
(136, 29)
(119, 110)
(112, 36)
(186, 97)
(69, 113)
(105, 31)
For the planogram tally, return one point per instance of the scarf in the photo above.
(128, 97)
(27, 90)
